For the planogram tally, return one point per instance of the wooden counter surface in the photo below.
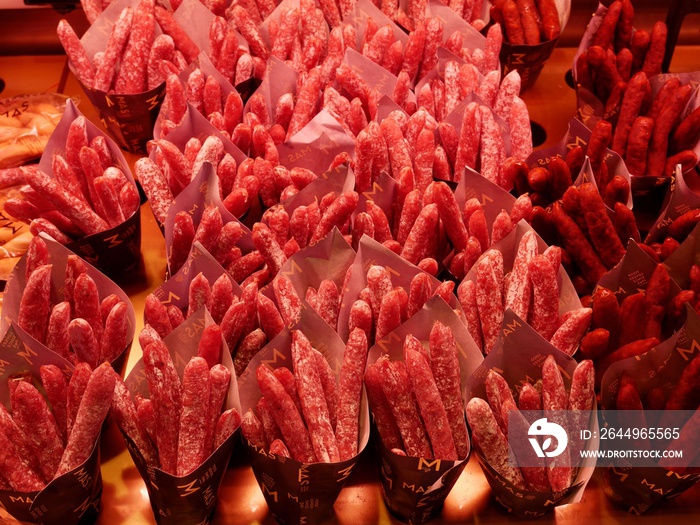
(125, 500)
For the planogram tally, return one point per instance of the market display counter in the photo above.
(125, 500)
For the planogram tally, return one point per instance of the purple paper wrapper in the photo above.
(116, 250)
(175, 291)
(444, 16)
(338, 180)
(329, 259)
(202, 192)
(529, 60)
(371, 253)
(590, 109)
(279, 79)
(518, 355)
(508, 246)
(492, 197)
(639, 489)
(385, 106)
(579, 135)
(365, 9)
(58, 255)
(73, 498)
(194, 124)
(415, 489)
(375, 75)
(299, 492)
(203, 62)
(316, 145)
(128, 118)
(190, 499)
(680, 199)
(195, 19)
(685, 256)
(632, 274)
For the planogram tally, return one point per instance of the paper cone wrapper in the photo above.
(639, 489)
(518, 356)
(58, 256)
(73, 498)
(371, 253)
(415, 489)
(298, 492)
(508, 246)
(115, 251)
(190, 499)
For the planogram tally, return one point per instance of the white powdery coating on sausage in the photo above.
(115, 332)
(491, 146)
(582, 392)
(423, 231)
(287, 416)
(134, 66)
(467, 298)
(510, 88)
(521, 133)
(84, 69)
(166, 394)
(349, 394)
(492, 47)
(83, 341)
(313, 403)
(446, 370)
(430, 404)
(33, 417)
(469, 137)
(488, 88)
(115, 46)
(35, 303)
(91, 414)
(211, 151)
(156, 187)
(199, 293)
(448, 209)
(569, 334)
(489, 286)
(219, 379)
(491, 441)
(287, 299)
(14, 470)
(336, 214)
(195, 90)
(545, 310)
(126, 417)
(267, 245)
(247, 28)
(519, 290)
(396, 387)
(163, 49)
(195, 407)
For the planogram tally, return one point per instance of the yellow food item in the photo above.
(26, 123)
